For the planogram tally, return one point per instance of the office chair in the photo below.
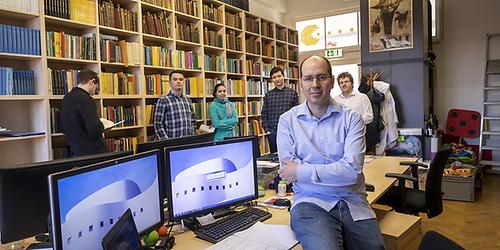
(412, 200)
(434, 240)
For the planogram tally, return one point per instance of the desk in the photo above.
(374, 174)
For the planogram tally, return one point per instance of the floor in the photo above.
(473, 225)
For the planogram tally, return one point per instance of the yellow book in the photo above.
(57, 44)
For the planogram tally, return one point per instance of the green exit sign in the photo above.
(331, 53)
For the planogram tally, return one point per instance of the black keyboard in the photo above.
(269, 157)
(231, 224)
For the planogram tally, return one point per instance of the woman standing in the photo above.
(222, 113)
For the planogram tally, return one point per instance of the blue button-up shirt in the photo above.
(330, 153)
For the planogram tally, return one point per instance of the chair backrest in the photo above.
(434, 240)
(433, 193)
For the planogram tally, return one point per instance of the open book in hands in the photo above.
(109, 124)
(206, 129)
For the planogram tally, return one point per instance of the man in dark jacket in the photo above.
(80, 120)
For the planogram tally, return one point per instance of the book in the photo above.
(109, 124)
(260, 236)
(206, 128)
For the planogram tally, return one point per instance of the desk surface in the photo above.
(374, 174)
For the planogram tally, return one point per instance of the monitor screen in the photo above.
(24, 194)
(204, 177)
(87, 202)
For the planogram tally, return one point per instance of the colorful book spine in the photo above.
(19, 40)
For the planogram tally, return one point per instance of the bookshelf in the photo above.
(134, 45)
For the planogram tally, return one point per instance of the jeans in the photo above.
(317, 228)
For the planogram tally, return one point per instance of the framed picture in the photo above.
(391, 25)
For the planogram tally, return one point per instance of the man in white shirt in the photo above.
(354, 100)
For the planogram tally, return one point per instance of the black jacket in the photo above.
(81, 124)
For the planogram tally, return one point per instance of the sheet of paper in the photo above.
(205, 220)
(276, 236)
(109, 124)
(206, 128)
(234, 242)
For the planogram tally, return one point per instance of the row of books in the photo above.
(194, 86)
(189, 7)
(233, 20)
(116, 16)
(156, 24)
(63, 45)
(281, 52)
(235, 87)
(212, 13)
(253, 68)
(268, 50)
(150, 113)
(293, 37)
(254, 107)
(233, 42)
(129, 114)
(293, 55)
(292, 72)
(55, 120)
(281, 34)
(61, 153)
(214, 63)
(61, 81)
(210, 84)
(21, 5)
(254, 87)
(119, 51)
(252, 24)
(157, 56)
(212, 38)
(157, 84)
(19, 40)
(234, 66)
(186, 60)
(122, 144)
(161, 3)
(267, 29)
(198, 110)
(118, 84)
(252, 45)
(246, 129)
(17, 81)
(77, 10)
(187, 32)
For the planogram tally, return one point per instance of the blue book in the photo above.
(10, 38)
(9, 81)
(33, 81)
(2, 81)
(24, 41)
(15, 42)
(37, 42)
(2, 38)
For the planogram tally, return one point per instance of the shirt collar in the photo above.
(171, 93)
(333, 107)
(353, 93)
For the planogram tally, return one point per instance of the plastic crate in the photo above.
(458, 188)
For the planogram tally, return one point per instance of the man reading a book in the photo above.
(174, 115)
(321, 146)
(79, 117)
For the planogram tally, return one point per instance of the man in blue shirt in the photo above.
(322, 145)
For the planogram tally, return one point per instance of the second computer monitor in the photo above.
(204, 177)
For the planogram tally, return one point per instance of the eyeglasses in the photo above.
(319, 78)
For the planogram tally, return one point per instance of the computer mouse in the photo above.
(282, 202)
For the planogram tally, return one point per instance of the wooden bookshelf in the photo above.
(33, 112)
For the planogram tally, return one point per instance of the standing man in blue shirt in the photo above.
(174, 115)
(276, 102)
(322, 145)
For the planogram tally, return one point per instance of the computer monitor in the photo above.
(24, 194)
(85, 203)
(123, 235)
(147, 146)
(205, 177)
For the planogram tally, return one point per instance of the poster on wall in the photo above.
(311, 34)
(391, 25)
(342, 30)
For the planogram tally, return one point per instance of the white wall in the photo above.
(275, 10)
(461, 54)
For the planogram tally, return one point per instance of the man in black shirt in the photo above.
(80, 120)
(276, 102)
